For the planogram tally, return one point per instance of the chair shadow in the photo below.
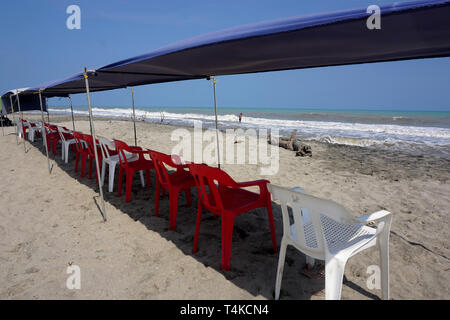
(253, 262)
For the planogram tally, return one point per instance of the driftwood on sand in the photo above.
(292, 143)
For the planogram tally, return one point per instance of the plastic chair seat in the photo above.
(238, 199)
(182, 177)
(338, 236)
(141, 164)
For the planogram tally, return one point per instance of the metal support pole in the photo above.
(48, 114)
(134, 116)
(71, 109)
(103, 212)
(23, 131)
(217, 130)
(44, 133)
(14, 118)
(1, 116)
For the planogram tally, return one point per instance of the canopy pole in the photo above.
(217, 130)
(134, 116)
(14, 118)
(48, 114)
(94, 140)
(71, 110)
(44, 133)
(3, 130)
(21, 122)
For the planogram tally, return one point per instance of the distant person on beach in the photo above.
(240, 117)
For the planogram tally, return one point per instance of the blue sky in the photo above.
(36, 47)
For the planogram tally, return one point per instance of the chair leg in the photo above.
(272, 226)
(334, 274)
(188, 195)
(119, 186)
(112, 170)
(103, 173)
(197, 226)
(227, 239)
(157, 196)
(173, 207)
(280, 268)
(128, 186)
(141, 173)
(90, 167)
(77, 156)
(83, 164)
(66, 152)
(63, 147)
(55, 142)
(383, 247)
(147, 175)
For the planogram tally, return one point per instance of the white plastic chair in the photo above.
(112, 161)
(19, 130)
(65, 144)
(325, 230)
(32, 130)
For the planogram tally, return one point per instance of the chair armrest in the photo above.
(135, 149)
(298, 189)
(261, 182)
(373, 217)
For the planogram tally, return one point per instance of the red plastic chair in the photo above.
(181, 179)
(24, 128)
(90, 150)
(228, 200)
(131, 167)
(81, 151)
(53, 134)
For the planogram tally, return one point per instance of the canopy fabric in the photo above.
(409, 30)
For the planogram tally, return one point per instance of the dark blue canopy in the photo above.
(409, 30)
(28, 102)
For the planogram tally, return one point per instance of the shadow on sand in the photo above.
(253, 262)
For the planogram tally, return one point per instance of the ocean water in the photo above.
(416, 132)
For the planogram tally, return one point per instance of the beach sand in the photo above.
(50, 221)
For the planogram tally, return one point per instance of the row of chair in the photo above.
(321, 229)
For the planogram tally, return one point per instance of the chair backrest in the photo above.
(161, 161)
(61, 131)
(90, 143)
(106, 146)
(213, 178)
(79, 138)
(25, 124)
(309, 214)
(121, 148)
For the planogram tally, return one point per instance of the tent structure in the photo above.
(409, 30)
(28, 102)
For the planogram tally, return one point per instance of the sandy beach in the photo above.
(48, 221)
